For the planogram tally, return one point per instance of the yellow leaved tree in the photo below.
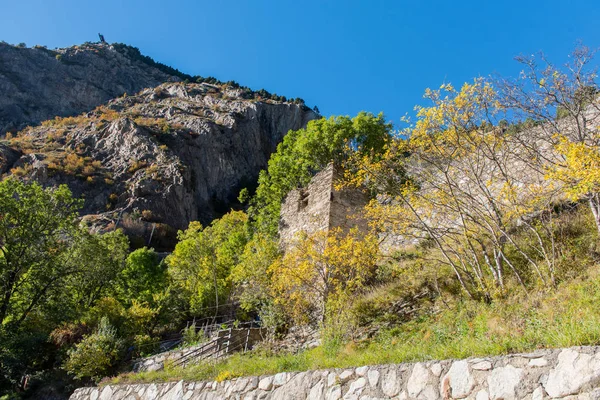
(465, 190)
(323, 271)
(566, 140)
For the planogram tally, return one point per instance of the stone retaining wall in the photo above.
(572, 373)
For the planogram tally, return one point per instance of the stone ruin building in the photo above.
(321, 207)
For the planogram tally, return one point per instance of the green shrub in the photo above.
(97, 354)
(192, 337)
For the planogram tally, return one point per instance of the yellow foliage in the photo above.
(580, 170)
(322, 268)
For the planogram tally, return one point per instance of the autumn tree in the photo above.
(322, 271)
(465, 192)
(565, 142)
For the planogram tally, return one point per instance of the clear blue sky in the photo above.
(343, 56)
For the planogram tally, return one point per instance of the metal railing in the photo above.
(224, 338)
(227, 342)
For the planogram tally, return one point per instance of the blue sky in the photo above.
(343, 56)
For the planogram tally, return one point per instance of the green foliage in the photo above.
(307, 151)
(192, 336)
(97, 354)
(252, 275)
(460, 329)
(100, 259)
(244, 196)
(143, 276)
(35, 227)
(202, 261)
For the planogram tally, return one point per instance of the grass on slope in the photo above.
(568, 316)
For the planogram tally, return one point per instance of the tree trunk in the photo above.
(594, 202)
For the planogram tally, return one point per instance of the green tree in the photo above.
(99, 259)
(251, 275)
(143, 276)
(201, 263)
(35, 227)
(307, 151)
(97, 354)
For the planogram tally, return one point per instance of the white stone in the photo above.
(151, 392)
(418, 380)
(266, 383)
(362, 371)
(94, 394)
(482, 365)
(253, 384)
(572, 372)
(176, 392)
(460, 380)
(502, 382)
(280, 379)
(357, 385)
(373, 376)
(538, 394)
(106, 394)
(334, 393)
(538, 362)
(227, 388)
(240, 384)
(436, 369)
(331, 379)
(346, 375)
(389, 383)
(482, 395)
(316, 392)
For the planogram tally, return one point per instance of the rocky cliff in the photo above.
(154, 161)
(38, 84)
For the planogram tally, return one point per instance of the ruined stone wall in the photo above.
(320, 207)
(572, 373)
(347, 208)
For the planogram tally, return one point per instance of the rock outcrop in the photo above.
(154, 161)
(38, 84)
(572, 373)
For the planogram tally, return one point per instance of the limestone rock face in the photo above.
(154, 161)
(38, 84)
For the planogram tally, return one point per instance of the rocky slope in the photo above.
(39, 84)
(154, 161)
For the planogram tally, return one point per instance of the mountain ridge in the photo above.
(160, 158)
